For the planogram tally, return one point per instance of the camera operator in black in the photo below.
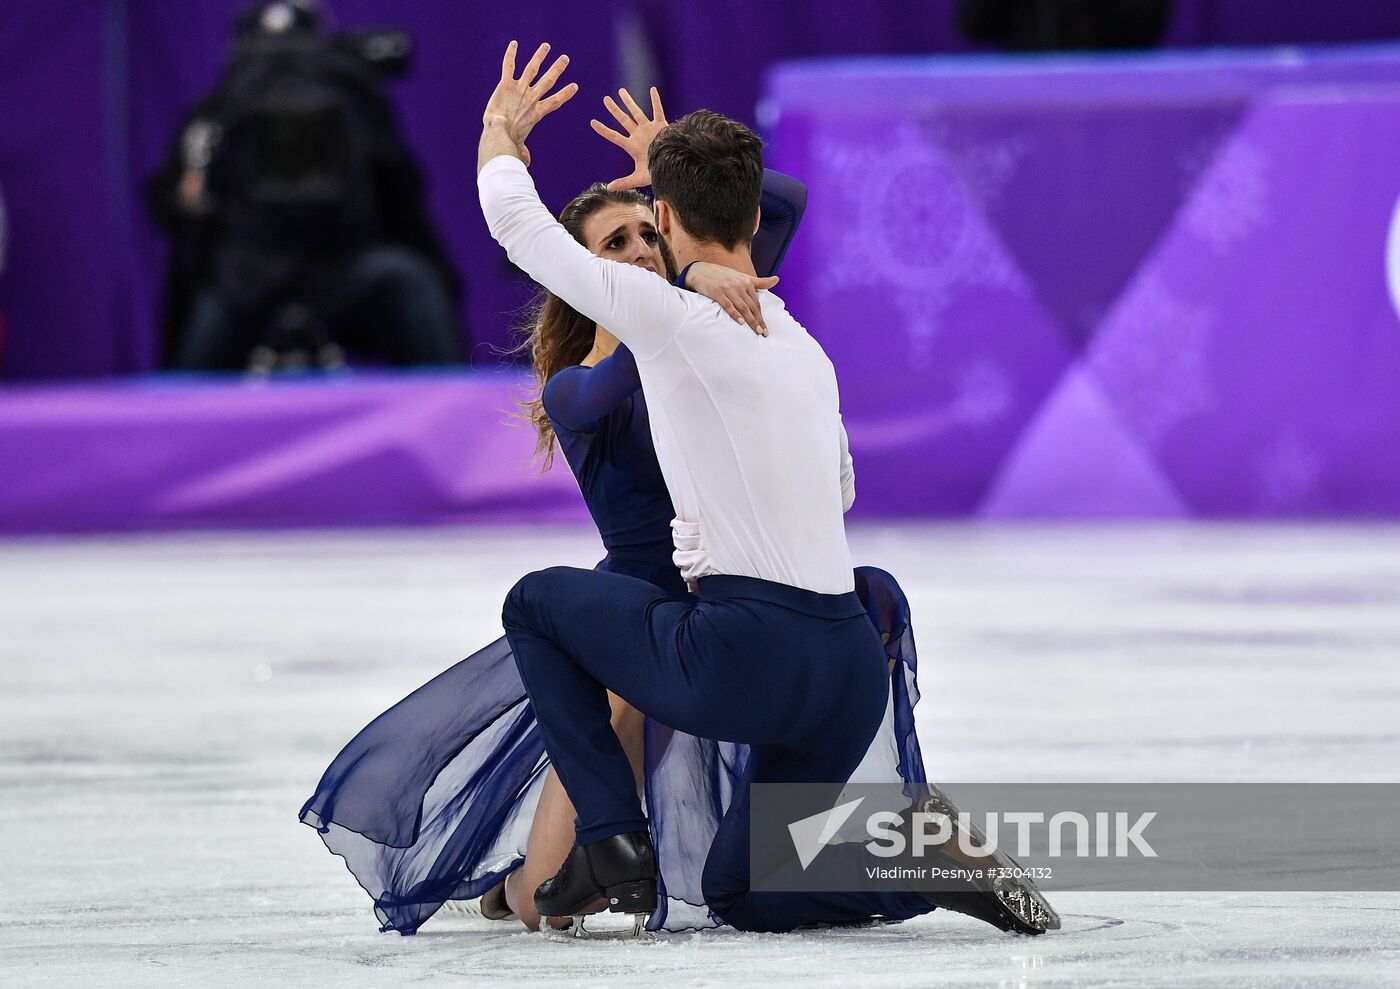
(296, 210)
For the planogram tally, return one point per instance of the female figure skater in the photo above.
(448, 795)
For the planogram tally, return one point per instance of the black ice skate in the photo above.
(616, 874)
(1008, 900)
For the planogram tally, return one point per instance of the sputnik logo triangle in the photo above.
(811, 834)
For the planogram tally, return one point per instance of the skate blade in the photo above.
(1023, 903)
(1027, 902)
(1024, 899)
(1044, 910)
(579, 931)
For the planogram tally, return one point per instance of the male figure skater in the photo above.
(778, 654)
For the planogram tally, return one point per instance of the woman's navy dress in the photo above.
(433, 800)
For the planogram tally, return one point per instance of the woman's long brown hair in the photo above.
(558, 335)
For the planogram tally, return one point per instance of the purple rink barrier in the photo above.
(362, 451)
(1138, 286)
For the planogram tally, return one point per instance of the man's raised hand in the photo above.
(638, 132)
(517, 105)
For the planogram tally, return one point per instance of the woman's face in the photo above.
(625, 232)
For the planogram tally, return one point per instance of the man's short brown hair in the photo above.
(709, 169)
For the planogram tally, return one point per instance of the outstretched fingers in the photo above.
(533, 66)
(547, 106)
(522, 102)
(628, 124)
(608, 134)
(636, 134)
(638, 114)
(550, 77)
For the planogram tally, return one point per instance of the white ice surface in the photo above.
(166, 704)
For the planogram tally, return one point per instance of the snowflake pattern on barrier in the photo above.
(909, 229)
(1151, 358)
(1231, 200)
(986, 167)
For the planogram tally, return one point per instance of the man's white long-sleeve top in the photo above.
(747, 429)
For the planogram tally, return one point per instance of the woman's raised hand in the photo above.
(736, 292)
(638, 131)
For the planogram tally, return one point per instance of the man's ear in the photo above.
(757, 222)
(663, 218)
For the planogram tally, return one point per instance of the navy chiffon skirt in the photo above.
(433, 800)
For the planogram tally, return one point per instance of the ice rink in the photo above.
(167, 703)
